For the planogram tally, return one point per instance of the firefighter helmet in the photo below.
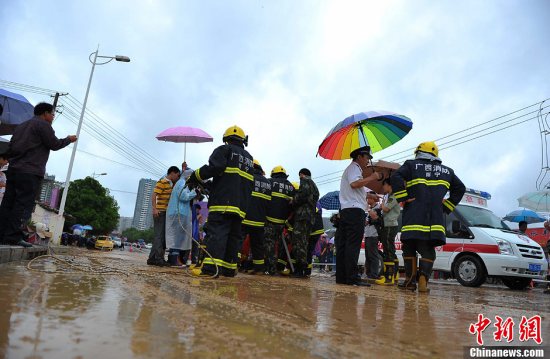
(256, 163)
(237, 133)
(296, 185)
(428, 147)
(278, 169)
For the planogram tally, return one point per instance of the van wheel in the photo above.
(516, 283)
(469, 271)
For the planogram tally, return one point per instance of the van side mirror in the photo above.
(457, 227)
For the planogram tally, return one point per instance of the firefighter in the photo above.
(277, 214)
(230, 166)
(304, 205)
(253, 224)
(422, 184)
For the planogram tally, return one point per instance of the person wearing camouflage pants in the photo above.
(273, 238)
(304, 205)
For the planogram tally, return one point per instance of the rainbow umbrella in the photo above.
(377, 129)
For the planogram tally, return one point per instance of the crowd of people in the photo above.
(282, 221)
(265, 225)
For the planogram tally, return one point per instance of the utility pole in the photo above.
(56, 98)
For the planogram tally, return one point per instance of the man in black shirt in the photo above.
(28, 154)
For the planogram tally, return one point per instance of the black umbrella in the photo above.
(16, 109)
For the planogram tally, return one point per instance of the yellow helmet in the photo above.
(257, 163)
(428, 147)
(296, 185)
(237, 133)
(278, 169)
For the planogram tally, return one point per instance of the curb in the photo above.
(17, 253)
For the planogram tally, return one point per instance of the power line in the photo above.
(126, 148)
(466, 139)
(455, 133)
(129, 142)
(105, 138)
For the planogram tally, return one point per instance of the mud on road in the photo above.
(144, 311)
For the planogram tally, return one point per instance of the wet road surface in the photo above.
(144, 312)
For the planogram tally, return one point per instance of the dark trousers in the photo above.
(195, 251)
(17, 205)
(222, 241)
(387, 238)
(256, 244)
(300, 239)
(159, 241)
(372, 257)
(348, 244)
(423, 247)
(273, 246)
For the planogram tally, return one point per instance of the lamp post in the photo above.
(95, 175)
(59, 227)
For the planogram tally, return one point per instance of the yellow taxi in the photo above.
(104, 242)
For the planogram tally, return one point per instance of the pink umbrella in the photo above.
(184, 134)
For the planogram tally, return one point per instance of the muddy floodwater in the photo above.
(150, 312)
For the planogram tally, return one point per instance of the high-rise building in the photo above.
(143, 213)
(124, 223)
(49, 191)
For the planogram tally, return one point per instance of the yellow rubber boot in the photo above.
(410, 274)
(395, 271)
(387, 279)
(425, 271)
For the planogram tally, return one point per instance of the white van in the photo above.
(480, 245)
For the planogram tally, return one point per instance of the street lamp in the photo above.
(59, 227)
(95, 175)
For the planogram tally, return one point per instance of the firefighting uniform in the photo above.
(230, 166)
(423, 227)
(254, 222)
(278, 212)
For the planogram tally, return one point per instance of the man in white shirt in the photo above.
(353, 202)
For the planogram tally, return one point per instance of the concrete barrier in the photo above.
(17, 253)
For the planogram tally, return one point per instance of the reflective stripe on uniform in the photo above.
(449, 205)
(421, 228)
(261, 195)
(223, 209)
(275, 220)
(320, 231)
(259, 261)
(248, 222)
(310, 265)
(281, 261)
(220, 263)
(240, 172)
(198, 175)
(280, 195)
(428, 182)
(401, 194)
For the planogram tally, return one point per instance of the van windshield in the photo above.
(481, 217)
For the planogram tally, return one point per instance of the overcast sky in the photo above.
(287, 72)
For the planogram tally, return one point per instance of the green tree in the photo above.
(90, 203)
(133, 234)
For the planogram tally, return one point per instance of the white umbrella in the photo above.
(537, 201)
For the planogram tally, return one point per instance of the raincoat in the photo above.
(178, 217)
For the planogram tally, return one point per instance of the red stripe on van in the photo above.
(470, 247)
